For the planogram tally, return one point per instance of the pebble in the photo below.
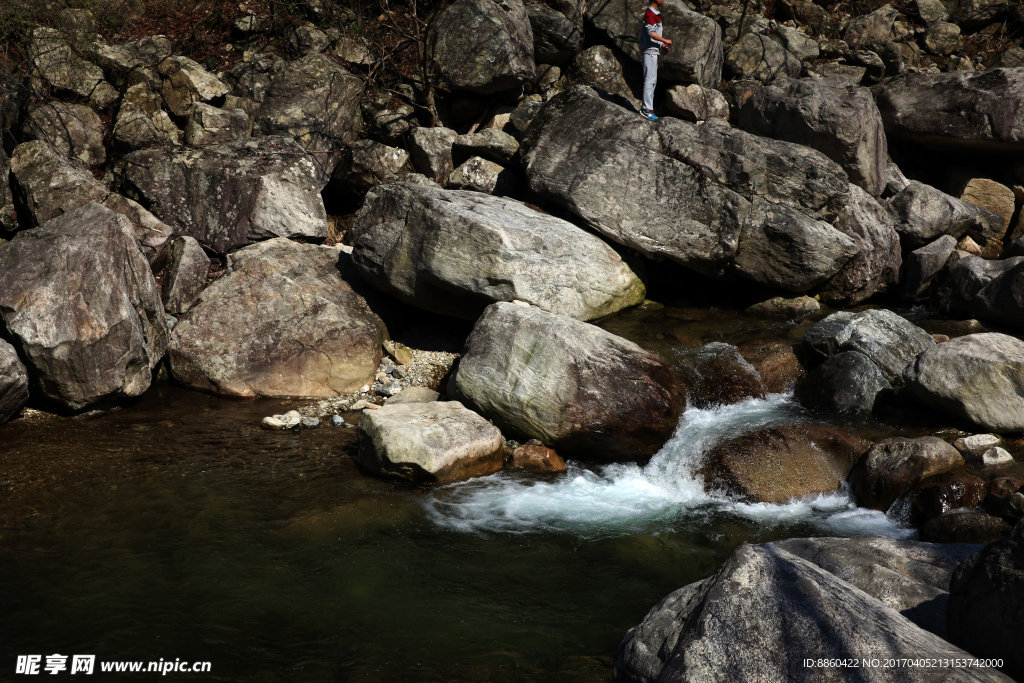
(364, 404)
(337, 420)
(310, 422)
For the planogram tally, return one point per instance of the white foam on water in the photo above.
(662, 495)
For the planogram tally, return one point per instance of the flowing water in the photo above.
(176, 528)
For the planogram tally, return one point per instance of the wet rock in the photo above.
(964, 527)
(888, 340)
(431, 150)
(828, 115)
(310, 422)
(786, 309)
(589, 156)
(1005, 498)
(312, 334)
(13, 380)
(227, 196)
(184, 275)
(455, 252)
(186, 82)
(55, 62)
(778, 464)
(986, 603)
(995, 456)
(556, 40)
(212, 126)
(760, 58)
(489, 143)
(972, 447)
(289, 420)
(314, 100)
(975, 110)
(484, 47)
(135, 129)
(979, 378)
(92, 337)
(696, 54)
(480, 175)
(922, 265)
(579, 389)
(716, 374)
(990, 195)
(810, 613)
(534, 457)
(696, 103)
(942, 493)
(413, 395)
(775, 363)
(599, 67)
(435, 443)
(846, 383)
(74, 129)
(893, 466)
(368, 164)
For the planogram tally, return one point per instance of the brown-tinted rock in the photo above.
(965, 527)
(990, 195)
(774, 361)
(893, 466)
(717, 374)
(281, 321)
(942, 493)
(537, 459)
(584, 391)
(781, 463)
(786, 309)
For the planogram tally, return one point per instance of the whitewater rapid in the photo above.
(664, 494)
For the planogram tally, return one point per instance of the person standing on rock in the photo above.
(651, 43)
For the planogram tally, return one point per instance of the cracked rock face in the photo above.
(229, 196)
(13, 381)
(79, 299)
(186, 82)
(720, 201)
(308, 333)
(58, 65)
(455, 252)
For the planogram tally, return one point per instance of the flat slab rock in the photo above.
(437, 443)
(575, 387)
(766, 611)
(280, 322)
(455, 252)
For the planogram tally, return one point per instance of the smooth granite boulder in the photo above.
(456, 252)
(717, 374)
(79, 301)
(893, 466)
(578, 389)
(556, 39)
(923, 213)
(978, 377)
(13, 380)
(228, 196)
(282, 321)
(436, 443)
(484, 46)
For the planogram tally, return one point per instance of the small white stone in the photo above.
(976, 443)
(273, 423)
(996, 456)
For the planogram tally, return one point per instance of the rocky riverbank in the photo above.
(448, 245)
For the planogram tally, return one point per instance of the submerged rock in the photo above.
(573, 386)
(923, 214)
(436, 443)
(717, 374)
(774, 361)
(455, 252)
(79, 300)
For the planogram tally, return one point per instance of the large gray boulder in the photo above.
(973, 287)
(893, 466)
(484, 46)
(759, 58)
(556, 39)
(456, 252)
(696, 54)
(229, 196)
(830, 115)
(846, 383)
(306, 332)
(13, 380)
(890, 341)
(768, 610)
(435, 443)
(979, 378)
(578, 389)
(986, 603)
(977, 110)
(923, 213)
(314, 100)
(721, 201)
(184, 275)
(80, 303)
(74, 129)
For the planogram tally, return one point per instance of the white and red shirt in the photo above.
(651, 24)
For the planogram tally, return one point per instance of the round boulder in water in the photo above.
(848, 383)
(893, 466)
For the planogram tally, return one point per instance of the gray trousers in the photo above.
(650, 63)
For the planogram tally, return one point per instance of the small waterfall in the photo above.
(664, 494)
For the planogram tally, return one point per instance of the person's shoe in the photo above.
(648, 114)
